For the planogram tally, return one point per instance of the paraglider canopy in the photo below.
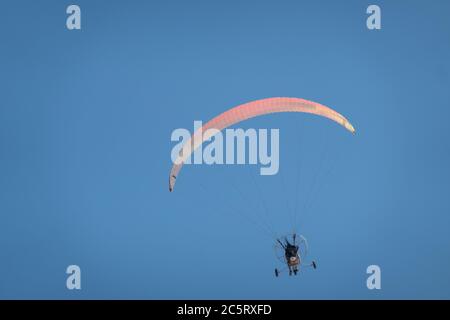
(247, 111)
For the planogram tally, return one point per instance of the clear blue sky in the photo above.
(85, 124)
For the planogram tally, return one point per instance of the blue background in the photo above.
(85, 124)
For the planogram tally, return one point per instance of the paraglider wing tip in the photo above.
(172, 182)
(349, 127)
